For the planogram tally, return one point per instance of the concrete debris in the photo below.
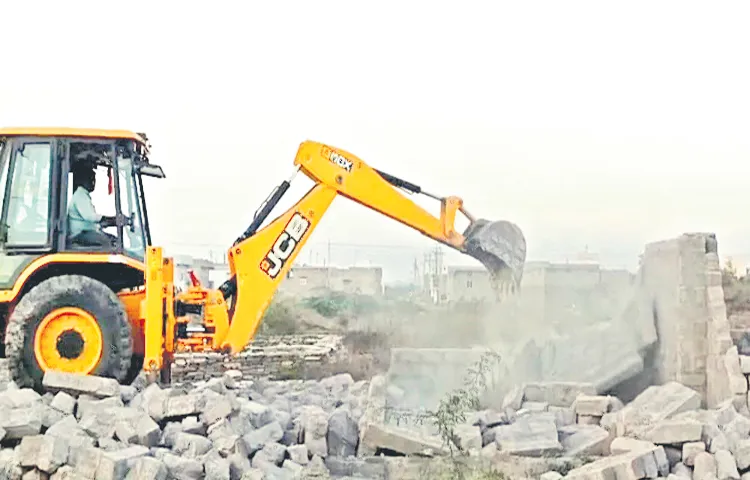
(563, 418)
(184, 432)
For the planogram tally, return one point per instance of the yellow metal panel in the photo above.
(132, 300)
(354, 179)
(70, 132)
(263, 260)
(10, 294)
(153, 309)
(168, 277)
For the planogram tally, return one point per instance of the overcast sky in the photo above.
(607, 124)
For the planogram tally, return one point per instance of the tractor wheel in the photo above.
(69, 323)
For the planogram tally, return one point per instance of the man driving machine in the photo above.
(84, 223)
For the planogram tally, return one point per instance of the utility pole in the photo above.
(328, 270)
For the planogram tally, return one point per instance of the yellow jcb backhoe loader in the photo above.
(111, 309)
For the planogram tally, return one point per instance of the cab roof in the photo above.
(72, 132)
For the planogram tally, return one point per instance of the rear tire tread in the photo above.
(74, 291)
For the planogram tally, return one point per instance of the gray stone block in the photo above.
(76, 384)
(529, 436)
(46, 453)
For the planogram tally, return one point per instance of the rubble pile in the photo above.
(88, 427)
(271, 356)
(663, 433)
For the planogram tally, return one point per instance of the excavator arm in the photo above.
(261, 258)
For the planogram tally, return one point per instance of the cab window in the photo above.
(26, 199)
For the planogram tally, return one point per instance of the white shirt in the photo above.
(82, 214)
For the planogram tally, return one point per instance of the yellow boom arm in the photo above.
(259, 260)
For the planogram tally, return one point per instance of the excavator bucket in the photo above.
(501, 247)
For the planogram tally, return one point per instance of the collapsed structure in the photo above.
(658, 390)
(671, 326)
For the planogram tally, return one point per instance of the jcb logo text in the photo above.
(337, 159)
(285, 245)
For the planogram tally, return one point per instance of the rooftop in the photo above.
(71, 132)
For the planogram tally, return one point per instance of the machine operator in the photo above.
(84, 223)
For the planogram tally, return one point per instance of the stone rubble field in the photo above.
(231, 419)
(88, 427)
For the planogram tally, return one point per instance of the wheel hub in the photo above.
(70, 344)
(68, 339)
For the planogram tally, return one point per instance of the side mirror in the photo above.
(150, 170)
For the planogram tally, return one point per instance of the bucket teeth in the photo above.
(501, 247)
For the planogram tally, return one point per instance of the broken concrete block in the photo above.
(690, 450)
(183, 468)
(551, 476)
(22, 422)
(726, 466)
(584, 440)
(529, 436)
(215, 467)
(535, 407)
(343, 434)
(76, 384)
(653, 405)
(563, 416)
(64, 403)
(704, 466)
(681, 471)
(183, 405)
(47, 453)
(147, 431)
(21, 397)
(636, 464)
(737, 380)
(374, 411)
(114, 465)
(559, 394)
(257, 414)
(672, 432)
(402, 440)
(189, 445)
(88, 405)
(125, 432)
(98, 426)
(468, 437)
(314, 427)
(741, 451)
(745, 364)
(514, 398)
(622, 445)
(273, 453)
(147, 468)
(298, 454)
(593, 405)
(588, 420)
(257, 439)
(50, 416)
(216, 410)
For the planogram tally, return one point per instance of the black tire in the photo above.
(79, 291)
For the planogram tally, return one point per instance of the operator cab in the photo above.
(40, 164)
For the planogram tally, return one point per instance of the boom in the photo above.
(261, 258)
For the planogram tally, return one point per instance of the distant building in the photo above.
(201, 268)
(544, 284)
(302, 280)
(310, 280)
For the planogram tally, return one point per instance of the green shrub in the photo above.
(280, 318)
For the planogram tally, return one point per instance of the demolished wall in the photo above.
(673, 328)
(682, 278)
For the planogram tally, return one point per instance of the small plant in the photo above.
(452, 411)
